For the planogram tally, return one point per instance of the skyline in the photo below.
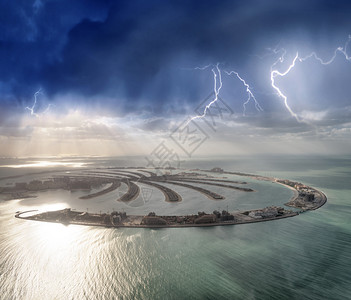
(112, 79)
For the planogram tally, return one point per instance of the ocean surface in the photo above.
(304, 257)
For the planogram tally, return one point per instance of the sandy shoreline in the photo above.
(296, 193)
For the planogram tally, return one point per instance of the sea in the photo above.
(304, 257)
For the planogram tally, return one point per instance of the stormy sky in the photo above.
(120, 77)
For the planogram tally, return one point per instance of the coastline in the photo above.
(289, 215)
(304, 198)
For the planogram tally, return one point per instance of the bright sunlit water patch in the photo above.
(44, 164)
(42, 208)
(58, 239)
(47, 260)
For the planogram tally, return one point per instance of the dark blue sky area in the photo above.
(134, 51)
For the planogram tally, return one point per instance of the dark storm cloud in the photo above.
(134, 50)
(33, 34)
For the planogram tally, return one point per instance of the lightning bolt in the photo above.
(275, 73)
(248, 90)
(31, 109)
(217, 87)
(342, 50)
(202, 68)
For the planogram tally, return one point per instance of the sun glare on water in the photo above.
(43, 164)
(58, 237)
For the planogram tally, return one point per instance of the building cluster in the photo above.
(133, 191)
(296, 185)
(170, 194)
(200, 218)
(217, 170)
(306, 193)
(206, 219)
(37, 185)
(117, 217)
(66, 215)
(182, 175)
(115, 184)
(307, 196)
(304, 200)
(224, 216)
(63, 182)
(152, 219)
(268, 212)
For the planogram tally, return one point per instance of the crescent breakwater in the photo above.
(305, 198)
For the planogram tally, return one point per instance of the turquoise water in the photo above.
(305, 257)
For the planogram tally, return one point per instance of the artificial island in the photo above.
(305, 197)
